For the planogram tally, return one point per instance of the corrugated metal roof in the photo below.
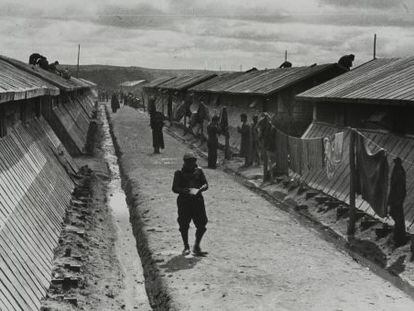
(16, 84)
(263, 82)
(87, 82)
(158, 81)
(67, 85)
(213, 84)
(232, 81)
(390, 80)
(186, 81)
(132, 83)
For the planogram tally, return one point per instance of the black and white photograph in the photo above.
(216, 155)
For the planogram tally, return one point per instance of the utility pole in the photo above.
(77, 67)
(286, 55)
(375, 46)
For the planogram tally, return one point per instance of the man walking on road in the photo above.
(189, 183)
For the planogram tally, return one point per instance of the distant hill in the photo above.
(109, 77)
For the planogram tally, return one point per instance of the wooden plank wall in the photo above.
(74, 116)
(34, 193)
(338, 186)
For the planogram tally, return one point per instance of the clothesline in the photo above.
(381, 147)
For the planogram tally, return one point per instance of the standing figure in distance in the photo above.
(189, 183)
(255, 141)
(114, 103)
(245, 145)
(157, 123)
(396, 199)
(212, 142)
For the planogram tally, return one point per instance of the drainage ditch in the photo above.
(125, 211)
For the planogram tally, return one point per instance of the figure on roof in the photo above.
(286, 64)
(43, 63)
(53, 67)
(34, 58)
(346, 61)
(65, 73)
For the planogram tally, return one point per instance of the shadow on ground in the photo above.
(180, 263)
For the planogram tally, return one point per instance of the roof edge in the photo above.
(366, 101)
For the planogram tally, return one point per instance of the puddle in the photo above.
(134, 294)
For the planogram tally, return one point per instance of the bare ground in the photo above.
(260, 257)
(110, 273)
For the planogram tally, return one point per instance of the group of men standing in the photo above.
(253, 144)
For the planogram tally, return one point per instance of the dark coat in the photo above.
(157, 123)
(212, 132)
(114, 102)
(184, 180)
(246, 139)
(398, 189)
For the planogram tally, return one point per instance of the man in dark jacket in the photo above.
(212, 142)
(114, 103)
(157, 123)
(189, 183)
(346, 61)
(396, 199)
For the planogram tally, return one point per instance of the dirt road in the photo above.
(260, 258)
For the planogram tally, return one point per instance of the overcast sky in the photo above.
(208, 34)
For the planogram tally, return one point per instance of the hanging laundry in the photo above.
(333, 146)
(295, 154)
(282, 162)
(159, 103)
(338, 145)
(312, 154)
(180, 112)
(372, 176)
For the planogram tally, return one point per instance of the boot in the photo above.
(184, 236)
(196, 248)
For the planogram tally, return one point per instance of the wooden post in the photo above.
(352, 208)
(77, 67)
(375, 46)
(227, 145)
